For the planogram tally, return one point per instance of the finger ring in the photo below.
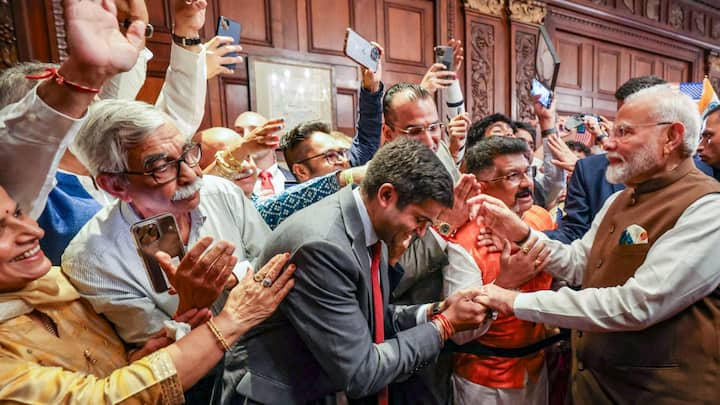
(537, 262)
(525, 250)
(258, 277)
(267, 282)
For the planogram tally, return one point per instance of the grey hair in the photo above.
(111, 129)
(668, 104)
(13, 83)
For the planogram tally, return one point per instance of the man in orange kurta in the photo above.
(500, 166)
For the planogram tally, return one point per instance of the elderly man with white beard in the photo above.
(136, 154)
(648, 314)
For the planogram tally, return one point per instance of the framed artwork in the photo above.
(297, 91)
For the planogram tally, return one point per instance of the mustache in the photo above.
(187, 191)
(613, 155)
(522, 191)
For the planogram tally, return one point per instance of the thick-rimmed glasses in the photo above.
(162, 173)
(619, 132)
(417, 130)
(515, 177)
(331, 157)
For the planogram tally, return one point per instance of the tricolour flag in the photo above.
(708, 100)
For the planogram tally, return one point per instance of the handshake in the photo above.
(472, 309)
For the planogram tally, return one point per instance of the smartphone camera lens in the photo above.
(375, 54)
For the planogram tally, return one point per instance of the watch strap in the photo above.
(546, 132)
(186, 41)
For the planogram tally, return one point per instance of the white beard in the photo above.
(641, 162)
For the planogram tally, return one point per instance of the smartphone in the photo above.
(361, 50)
(158, 233)
(229, 28)
(444, 55)
(539, 89)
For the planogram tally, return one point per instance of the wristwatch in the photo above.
(435, 309)
(186, 41)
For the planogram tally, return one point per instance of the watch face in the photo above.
(444, 228)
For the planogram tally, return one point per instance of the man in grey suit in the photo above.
(321, 341)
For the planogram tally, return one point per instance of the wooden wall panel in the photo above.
(408, 36)
(327, 21)
(608, 68)
(254, 15)
(570, 51)
(236, 101)
(346, 111)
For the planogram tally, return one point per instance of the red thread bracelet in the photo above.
(52, 73)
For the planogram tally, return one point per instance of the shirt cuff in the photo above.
(421, 314)
(165, 372)
(43, 118)
(241, 268)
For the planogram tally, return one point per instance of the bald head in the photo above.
(213, 140)
(248, 121)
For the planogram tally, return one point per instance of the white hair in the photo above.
(668, 104)
(111, 128)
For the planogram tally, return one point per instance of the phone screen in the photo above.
(539, 89)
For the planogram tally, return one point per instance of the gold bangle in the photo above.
(348, 177)
(229, 158)
(220, 338)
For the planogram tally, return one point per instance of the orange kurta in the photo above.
(506, 331)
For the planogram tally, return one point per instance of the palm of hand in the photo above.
(95, 40)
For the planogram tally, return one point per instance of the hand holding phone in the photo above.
(154, 234)
(229, 28)
(539, 89)
(444, 55)
(361, 50)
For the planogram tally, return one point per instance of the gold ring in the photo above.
(538, 262)
(525, 250)
(258, 277)
(267, 282)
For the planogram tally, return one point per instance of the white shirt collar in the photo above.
(370, 236)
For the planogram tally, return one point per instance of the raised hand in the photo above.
(371, 80)
(97, 48)
(202, 274)
(458, 51)
(189, 17)
(215, 56)
(563, 157)
(457, 129)
(497, 298)
(437, 77)
(264, 137)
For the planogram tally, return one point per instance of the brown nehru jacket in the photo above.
(674, 361)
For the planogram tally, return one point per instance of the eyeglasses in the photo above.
(515, 177)
(621, 131)
(163, 173)
(417, 130)
(331, 157)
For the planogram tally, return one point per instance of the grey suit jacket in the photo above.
(320, 341)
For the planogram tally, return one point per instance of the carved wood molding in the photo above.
(524, 73)
(451, 19)
(482, 71)
(489, 7)
(8, 40)
(527, 11)
(59, 19)
(713, 62)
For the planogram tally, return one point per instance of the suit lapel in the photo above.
(354, 230)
